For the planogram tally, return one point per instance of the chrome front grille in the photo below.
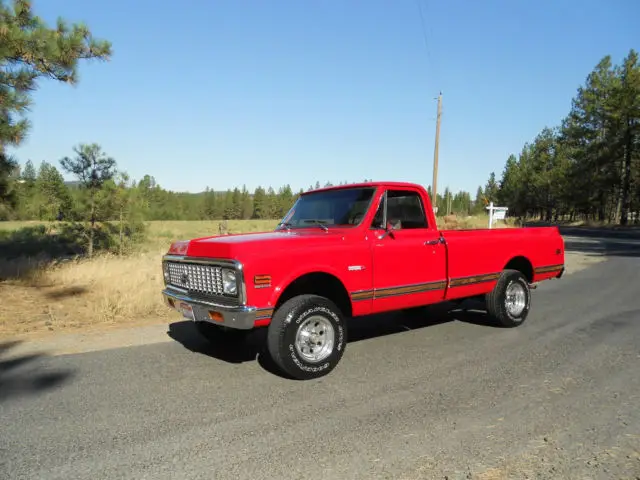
(196, 278)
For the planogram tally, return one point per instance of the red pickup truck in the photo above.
(349, 251)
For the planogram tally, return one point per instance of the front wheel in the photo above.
(307, 336)
(510, 300)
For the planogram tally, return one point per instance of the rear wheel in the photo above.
(510, 300)
(307, 336)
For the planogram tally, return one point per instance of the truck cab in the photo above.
(406, 243)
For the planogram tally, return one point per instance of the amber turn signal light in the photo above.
(262, 280)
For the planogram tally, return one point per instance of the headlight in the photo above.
(229, 284)
(165, 273)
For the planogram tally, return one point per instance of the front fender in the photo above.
(295, 274)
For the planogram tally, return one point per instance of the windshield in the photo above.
(341, 207)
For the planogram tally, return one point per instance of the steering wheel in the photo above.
(356, 218)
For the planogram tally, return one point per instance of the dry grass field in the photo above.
(41, 297)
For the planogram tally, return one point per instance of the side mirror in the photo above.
(387, 231)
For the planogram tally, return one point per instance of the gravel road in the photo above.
(414, 398)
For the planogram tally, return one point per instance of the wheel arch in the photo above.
(521, 264)
(321, 283)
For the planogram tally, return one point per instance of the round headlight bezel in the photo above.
(229, 282)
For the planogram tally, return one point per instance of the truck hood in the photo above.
(245, 245)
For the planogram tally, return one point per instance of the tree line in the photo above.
(42, 194)
(588, 166)
(104, 209)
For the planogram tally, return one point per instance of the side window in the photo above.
(405, 210)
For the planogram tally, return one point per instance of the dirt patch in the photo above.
(574, 262)
(84, 294)
(549, 459)
(546, 458)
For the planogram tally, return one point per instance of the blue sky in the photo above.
(225, 93)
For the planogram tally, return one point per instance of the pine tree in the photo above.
(586, 130)
(28, 174)
(626, 117)
(285, 201)
(53, 199)
(25, 192)
(247, 204)
(478, 204)
(209, 204)
(491, 189)
(129, 208)
(93, 168)
(30, 50)
(259, 203)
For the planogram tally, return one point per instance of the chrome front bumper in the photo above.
(240, 317)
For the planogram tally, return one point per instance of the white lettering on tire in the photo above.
(339, 344)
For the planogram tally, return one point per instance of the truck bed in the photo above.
(475, 257)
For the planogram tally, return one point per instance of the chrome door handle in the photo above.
(433, 242)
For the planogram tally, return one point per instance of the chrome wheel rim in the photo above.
(315, 338)
(515, 299)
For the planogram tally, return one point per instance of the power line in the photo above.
(423, 25)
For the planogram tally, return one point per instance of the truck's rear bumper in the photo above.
(240, 317)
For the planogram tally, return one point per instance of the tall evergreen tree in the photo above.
(53, 199)
(92, 167)
(30, 50)
(589, 167)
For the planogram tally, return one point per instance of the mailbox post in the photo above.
(496, 213)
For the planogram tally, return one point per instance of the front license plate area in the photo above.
(187, 311)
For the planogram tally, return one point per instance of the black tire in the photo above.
(497, 301)
(282, 331)
(218, 334)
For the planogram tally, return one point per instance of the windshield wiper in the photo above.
(286, 225)
(317, 222)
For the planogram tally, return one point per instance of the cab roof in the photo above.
(367, 184)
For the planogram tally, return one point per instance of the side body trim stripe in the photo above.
(370, 294)
(549, 268)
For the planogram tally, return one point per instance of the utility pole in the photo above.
(434, 187)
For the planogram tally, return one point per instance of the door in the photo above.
(409, 260)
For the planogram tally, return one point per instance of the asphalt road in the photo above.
(444, 397)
